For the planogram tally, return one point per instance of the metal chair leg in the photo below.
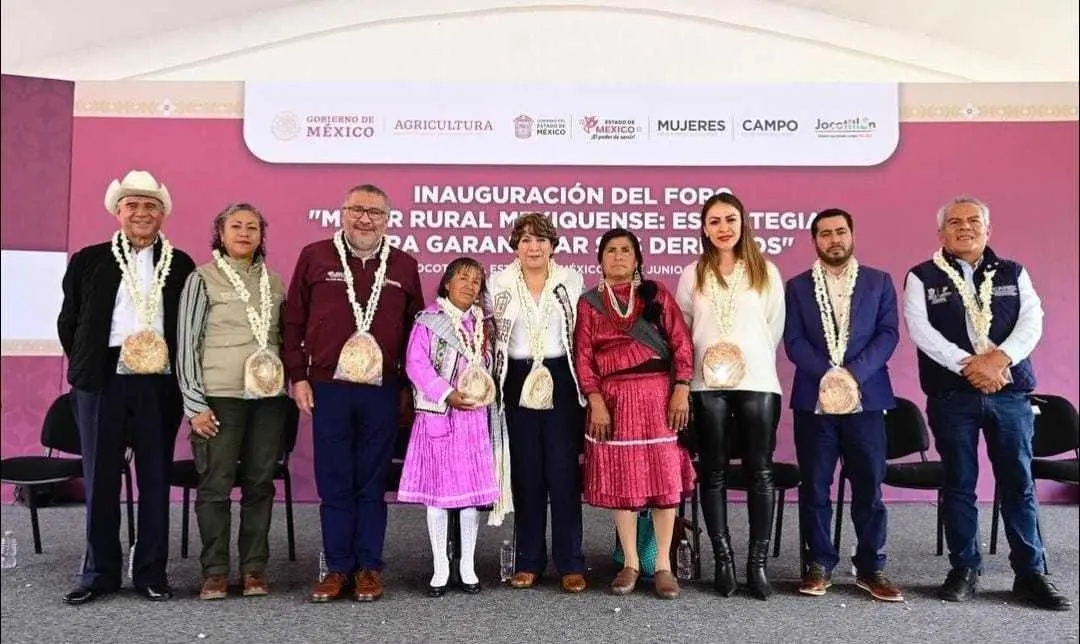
(995, 516)
(290, 529)
(695, 502)
(940, 526)
(838, 524)
(184, 524)
(130, 506)
(453, 545)
(779, 494)
(35, 527)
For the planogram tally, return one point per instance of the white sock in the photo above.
(436, 523)
(470, 522)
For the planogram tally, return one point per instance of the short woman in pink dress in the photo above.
(634, 361)
(449, 463)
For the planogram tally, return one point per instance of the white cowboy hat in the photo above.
(137, 183)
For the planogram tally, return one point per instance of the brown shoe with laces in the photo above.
(880, 587)
(816, 581)
(255, 585)
(368, 586)
(625, 582)
(330, 588)
(214, 587)
(665, 584)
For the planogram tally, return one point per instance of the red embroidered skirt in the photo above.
(642, 464)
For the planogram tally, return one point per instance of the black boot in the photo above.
(714, 509)
(724, 580)
(759, 505)
(756, 580)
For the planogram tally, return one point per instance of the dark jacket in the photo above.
(875, 332)
(318, 319)
(85, 320)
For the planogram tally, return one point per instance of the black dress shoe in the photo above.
(83, 595)
(436, 591)
(1037, 589)
(959, 585)
(472, 589)
(155, 592)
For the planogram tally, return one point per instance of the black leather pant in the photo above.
(736, 425)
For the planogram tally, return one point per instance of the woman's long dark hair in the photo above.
(647, 290)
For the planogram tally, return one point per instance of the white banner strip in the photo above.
(723, 125)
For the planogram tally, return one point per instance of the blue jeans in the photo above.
(1008, 423)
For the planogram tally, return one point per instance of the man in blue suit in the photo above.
(842, 327)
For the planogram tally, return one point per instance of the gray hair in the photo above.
(371, 189)
(959, 200)
(219, 225)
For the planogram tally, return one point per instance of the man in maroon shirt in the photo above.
(355, 425)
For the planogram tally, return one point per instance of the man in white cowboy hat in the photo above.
(118, 329)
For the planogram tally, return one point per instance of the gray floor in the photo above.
(32, 610)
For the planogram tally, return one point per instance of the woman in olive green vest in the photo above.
(232, 379)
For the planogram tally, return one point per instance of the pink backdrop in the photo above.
(1025, 171)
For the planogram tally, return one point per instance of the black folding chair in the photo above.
(59, 435)
(906, 433)
(1057, 431)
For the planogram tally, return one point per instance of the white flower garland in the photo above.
(979, 312)
(723, 301)
(259, 322)
(363, 316)
(836, 342)
(474, 350)
(145, 307)
(615, 301)
(536, 313)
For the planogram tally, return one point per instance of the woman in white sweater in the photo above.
(733, 301)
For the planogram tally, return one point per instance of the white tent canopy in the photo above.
(575, 41)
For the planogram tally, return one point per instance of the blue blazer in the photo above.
(875, 332)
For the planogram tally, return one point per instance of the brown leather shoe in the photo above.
(214, 587)
(625, 581)
(523, 579)
(816, 581)
(574, 583)
(368, 586)
(255, 585)
(330, 588)
(665, 584)
(880, 587)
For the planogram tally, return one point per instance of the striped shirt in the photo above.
(191, 325)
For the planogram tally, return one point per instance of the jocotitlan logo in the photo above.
(854, 127)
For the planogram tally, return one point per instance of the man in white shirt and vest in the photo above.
(975, 318)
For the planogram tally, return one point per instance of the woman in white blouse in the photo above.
(534, 303)
(733, 301)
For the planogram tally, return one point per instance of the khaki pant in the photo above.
(244, 453)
